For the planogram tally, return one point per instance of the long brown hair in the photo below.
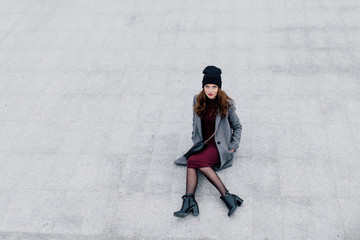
(221, 103)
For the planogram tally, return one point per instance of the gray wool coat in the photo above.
(227, 137)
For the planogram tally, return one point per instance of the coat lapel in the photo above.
(217, 121)
(198, 124)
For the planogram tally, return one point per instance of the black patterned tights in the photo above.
(209, 173)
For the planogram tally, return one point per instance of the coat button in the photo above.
(218, 142)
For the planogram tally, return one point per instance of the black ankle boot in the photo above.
(189, 205)
(232, 202)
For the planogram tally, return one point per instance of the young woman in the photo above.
(214, 112)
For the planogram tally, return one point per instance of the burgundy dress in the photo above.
(209, 156)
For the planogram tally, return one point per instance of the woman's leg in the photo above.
(189, 204)
(191, 180)
(211, 175)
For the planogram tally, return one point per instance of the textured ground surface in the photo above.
(95, 104)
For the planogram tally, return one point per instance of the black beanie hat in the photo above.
(212, 76)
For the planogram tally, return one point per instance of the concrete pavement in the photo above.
(95, 104)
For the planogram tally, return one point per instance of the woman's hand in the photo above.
(232, 150)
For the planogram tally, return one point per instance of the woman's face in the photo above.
(211, 90)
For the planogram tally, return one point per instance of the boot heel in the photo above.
(239, 201)
(195, 210)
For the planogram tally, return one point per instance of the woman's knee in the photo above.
(204, 169)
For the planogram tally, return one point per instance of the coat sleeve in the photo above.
(236, 127)
(193, 129)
